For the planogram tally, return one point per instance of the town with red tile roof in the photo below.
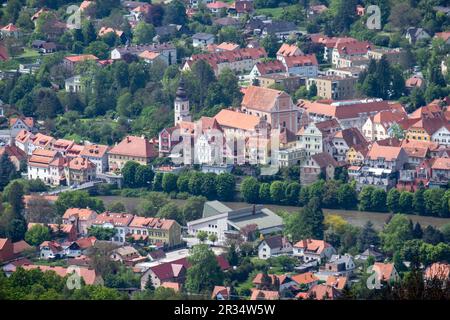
(225, 150)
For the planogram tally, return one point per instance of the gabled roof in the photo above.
(305, 278)
(154, 223)
(10, 28)
(438, 270)
(116, 219)
(323, 292)
(301, 61)
(324, 159)
(288, 50)
(80, 163)
(29, 121)
(353, 48)
(312, 245)
(81, 214)
(94, 150)
(269, 67)
(337, 282)
(264, 295)
(275, 242)
(89, 275)
(239, 120)
(352, 137)
(387, 152)
(259, 98)
(81, 57)
(441, 164)
(135, 147)
(384, 270)
(223, 291)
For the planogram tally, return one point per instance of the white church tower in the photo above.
(181, 104)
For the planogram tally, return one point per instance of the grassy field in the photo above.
(357, 218)
(276, 13)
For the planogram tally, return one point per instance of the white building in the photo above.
(272, 246)
(313, 250)
(222, 221)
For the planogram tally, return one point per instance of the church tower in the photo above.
(181, 104)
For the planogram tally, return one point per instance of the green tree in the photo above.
(169, 182)
(175, 12)
(37, 234)
(292, 193)
(209, 185)
(14, 196)
(433, 201)
(89, 34)
(129, 174)
(195, 183)
(193, 208)
(202, 236)
(144, 176)
(171, 211)
(143, 33)
(368, 237)
(183, 182)
(225, 186)
(270, 44)
(347, 196)
(392, 200)
(102, 233)
(77, 199)
(405, 202)
(157, 182)
(204, 272)
(395, 233)
(250, 190)
(7, 170)
(365, 198)
(277, 192)
(264, 193)
(419, 201)
(152, 203)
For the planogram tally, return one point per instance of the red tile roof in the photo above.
(81, 57)
(288, 50)
(264, 295)
(312, 245)
(259, 98)
(301, 61)
(238, 120)
(135, 147)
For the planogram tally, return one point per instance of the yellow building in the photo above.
(424, 129)
(356, 154)
(155, 230)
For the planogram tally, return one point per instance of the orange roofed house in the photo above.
(81, 218)
(89, 276)
(132, 148)
(46, 165)
(240, 60)
(97, 154)
(70, 62)
(313, 250)
(79, 170)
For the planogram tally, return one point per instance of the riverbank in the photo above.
(357, 218)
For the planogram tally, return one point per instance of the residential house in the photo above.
(281, 29)
(378, 127)
(98, 155)
(217, 7)
(44, 46)
(74, 84)
(333, 87)
(320, 292)
(167, 51)
(415, 81)
(264, 295)
(305, 280)
(427, 128)
(288, 50)
(289, 82)
(50, 250)
(266, 68)
(127, 255)
(62, 146)
(386, 272)
(64, 232)
(241, 8)
(89, 276)
(6, 250)
(273, 246)
(342, 265)
(386, 157)
(316, 10)
(202, 39)
(444, 36)
(440, 169)
(79, 170)
(316, 166)
(349, 49)
(15, 155)
(305, 65)
(131, 148)
(174, 271)
(414, 34)
(437, 271)
(16, 125)
(370, 252)
(345, 139)
(160, 232)
(239, 61)
(106, 30)
(279, 283)
(275, 106)
(40, 141)
(221, 293)
(313, 250)
(10, 30)
(70, 62)
(338, 282)
(47, 166)
(118, 221)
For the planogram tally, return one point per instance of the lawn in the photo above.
(276, 13)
